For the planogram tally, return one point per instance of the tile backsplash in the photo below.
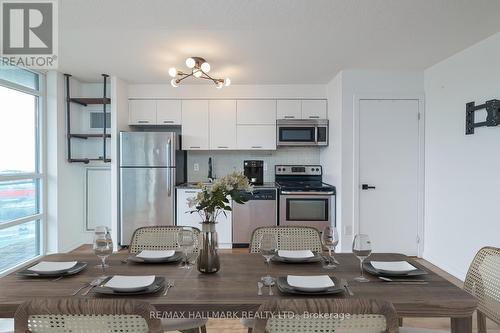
(225, 162)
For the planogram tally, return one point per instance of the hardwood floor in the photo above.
(234, 326)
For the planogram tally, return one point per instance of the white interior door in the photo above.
(388, 174)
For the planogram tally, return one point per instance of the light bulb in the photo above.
(219, 85)
(172, 72)
(205, 67)
(197, 73)
(174, 83)
(227, 81)
(190, 62)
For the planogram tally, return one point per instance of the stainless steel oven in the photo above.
(315, 209)
(302, 132)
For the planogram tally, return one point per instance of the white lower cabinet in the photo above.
(256, 137)
(224, 226)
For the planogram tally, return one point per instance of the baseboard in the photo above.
(445, 267)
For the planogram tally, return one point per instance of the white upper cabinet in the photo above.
(256, 112)
(289, 109)
(256, 137)
(222, 124)
(168, 112)
(195, 125)
(314, 109)
(141, 112)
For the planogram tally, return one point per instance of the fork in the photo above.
(79, 289)
(170, 284)
(93, 284)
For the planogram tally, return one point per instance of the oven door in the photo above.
(296, 135)
(314, 209)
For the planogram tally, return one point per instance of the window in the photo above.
(20, 173)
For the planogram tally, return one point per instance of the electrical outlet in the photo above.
(196, 167)
(348, 230)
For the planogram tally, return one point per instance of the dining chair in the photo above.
(289, 238)
(326, 316)
(165, 238)
(85, 315)
(158, 238)
(483, 282)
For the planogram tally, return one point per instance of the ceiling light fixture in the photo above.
(199, 70)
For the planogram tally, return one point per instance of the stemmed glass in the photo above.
(186, 240)
(103, 246)
(362, 248)
(330, 239)
(268, 246)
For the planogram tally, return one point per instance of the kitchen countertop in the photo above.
(195, 185)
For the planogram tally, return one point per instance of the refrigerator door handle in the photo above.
(169, 163)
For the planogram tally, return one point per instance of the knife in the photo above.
(346, 287)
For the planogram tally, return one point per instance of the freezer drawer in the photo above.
(146, 199)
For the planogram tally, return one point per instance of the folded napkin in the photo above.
(393, 266)
(128, 283)
(310, 282)
(153, 254)
(52, 266)
(300, 254)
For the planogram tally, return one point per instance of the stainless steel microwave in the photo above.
(302, 132)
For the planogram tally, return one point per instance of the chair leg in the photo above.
(400, 320)
(481, 322)
(250, 330)
(203, 329)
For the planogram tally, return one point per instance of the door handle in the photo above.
(367, 187)
(169, 172)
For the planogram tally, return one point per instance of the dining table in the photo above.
(232, 291)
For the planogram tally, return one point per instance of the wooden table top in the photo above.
(234, 287)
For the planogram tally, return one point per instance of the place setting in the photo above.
(397, 272)
(53, 269)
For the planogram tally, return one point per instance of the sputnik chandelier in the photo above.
(199, 70)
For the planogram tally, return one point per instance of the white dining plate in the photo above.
(126, 283)
(52, 266)
(393, 266)
(296, 254)
(154, 254)
(310, 282)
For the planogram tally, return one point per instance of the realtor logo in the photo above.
(28, 33)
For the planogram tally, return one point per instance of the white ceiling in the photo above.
(265, 41)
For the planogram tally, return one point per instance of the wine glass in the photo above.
(103, 246)
(268, 246)
(186, 241)
(330, 239)
(362, 248)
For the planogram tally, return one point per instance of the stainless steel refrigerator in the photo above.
(151, 164)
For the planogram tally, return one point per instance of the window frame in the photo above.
(38, 176)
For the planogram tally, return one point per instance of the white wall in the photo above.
(119, 122)
(355, 83)
(330, 157)
(462, 183)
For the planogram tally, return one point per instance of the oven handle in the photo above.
(307, 193)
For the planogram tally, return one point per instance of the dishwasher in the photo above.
(259, 211)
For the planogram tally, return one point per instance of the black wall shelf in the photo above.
(85, 101)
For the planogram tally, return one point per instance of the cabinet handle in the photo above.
(190, 191)
(143, 121)
(289, 117)
(195, 147)
(168, 121)
(223, 147)
(314, 117)
(256, 146)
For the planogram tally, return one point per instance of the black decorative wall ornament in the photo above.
(492, 119)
